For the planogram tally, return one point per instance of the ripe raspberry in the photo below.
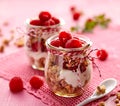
(102, 54)
(35, 22)
(44, 16)
(56, 43)
(64, 37)
(73, 43)
(49, 22)
(76, 16)
(36, 82)
(16, 84)
(57, 21)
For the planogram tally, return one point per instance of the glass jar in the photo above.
(35, 43)
(68, 70)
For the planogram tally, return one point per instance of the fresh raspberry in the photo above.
(73, 43)
(56, 43)
(36, 82)
(64, 37)
(44, 16)
(49, 22)
(102, 54)
(35, 22)
(16, 84)
(57, 21)
(76, 16)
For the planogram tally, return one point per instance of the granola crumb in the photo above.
(118, 95)
(1, 49)
(118, 104)
(101, 89)
(6, 42)
(101, 104)
(116, 101)
(19, 42)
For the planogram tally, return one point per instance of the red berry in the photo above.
(73, 43)
(35, 22)
(64, 37)
(16, 84)
(36, 82)
(56, 43)
(44, 16)
(49, 22)
(57, 21)
(76, 16)
(102, 54)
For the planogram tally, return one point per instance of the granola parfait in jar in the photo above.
(38, 31)
(68, 67)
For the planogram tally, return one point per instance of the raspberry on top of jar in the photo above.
(67, 41)
(45, 19)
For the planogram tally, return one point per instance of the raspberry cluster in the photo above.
(45, 19)
(66, 40)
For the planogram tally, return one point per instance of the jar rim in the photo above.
(82, 37)
(27, 22)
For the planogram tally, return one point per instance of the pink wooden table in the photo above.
(15, 12)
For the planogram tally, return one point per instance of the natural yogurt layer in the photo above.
(76, 78)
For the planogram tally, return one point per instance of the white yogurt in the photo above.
(69, 76)
(73, 77)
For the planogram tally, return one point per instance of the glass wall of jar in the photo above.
(35, 43)
(68, 70)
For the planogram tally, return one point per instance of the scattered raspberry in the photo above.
(73, 43)
(44, 16)
(102, 54)
(76, 16)
(64, 36)
(56, 43)
(16, 84)
(36, 82)
(35, 22)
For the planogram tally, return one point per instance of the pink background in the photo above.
(17, 11)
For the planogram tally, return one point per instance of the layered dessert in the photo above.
(68, 68)
(38, 31)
